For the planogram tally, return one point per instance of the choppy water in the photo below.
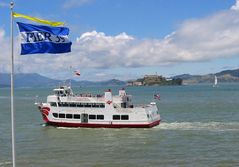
(200, 127)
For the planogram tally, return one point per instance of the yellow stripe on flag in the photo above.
(38, 20)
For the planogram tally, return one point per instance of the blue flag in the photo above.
(43, 39)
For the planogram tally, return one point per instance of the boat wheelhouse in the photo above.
(66, 109)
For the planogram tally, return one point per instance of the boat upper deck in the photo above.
(64, 94)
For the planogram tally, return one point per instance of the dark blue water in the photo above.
(200, 127)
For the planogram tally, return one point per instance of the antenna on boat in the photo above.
(70, 77)
(70, 82)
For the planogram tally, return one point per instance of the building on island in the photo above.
(151, 80)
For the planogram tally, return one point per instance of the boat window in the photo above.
(95, 105)
(65, 105)
(123, 105)
(124, 117)
(102, 105)
(62, 115)
(53, 104)
(88, 105)
(55, 115)
(116, 117)
(84, 118)
(100, 117)
(76, 116)
(79, 105)
(69, 116)
(72, 105)
(92, 116)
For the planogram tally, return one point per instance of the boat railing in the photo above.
(37, 102)
(88, 95)
(142, 105)
(85, 98)
(123, 110)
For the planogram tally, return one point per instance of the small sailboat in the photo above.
(215, 81)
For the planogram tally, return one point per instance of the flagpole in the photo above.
(12, 90)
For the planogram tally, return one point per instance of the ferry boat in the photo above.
(66, 109)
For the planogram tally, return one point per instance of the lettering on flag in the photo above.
(43, 39)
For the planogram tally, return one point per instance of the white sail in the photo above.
(215, 81)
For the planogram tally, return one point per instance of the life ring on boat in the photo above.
(46, 108)
(45, 112)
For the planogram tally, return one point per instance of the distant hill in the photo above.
(233, 73)
(112, 82)
(27, 80)
(183, 76)
(36, 80)
(223, 76)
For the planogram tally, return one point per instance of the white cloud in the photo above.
(75, 3)
(196, 40)
(208, 38)
(5, 54)
(2, 34)
(236, 6)
(212, 37)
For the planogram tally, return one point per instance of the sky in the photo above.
(127, 39)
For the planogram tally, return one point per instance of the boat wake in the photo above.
(206, 126)
(200, 126)
(5, 163)
(68, 128)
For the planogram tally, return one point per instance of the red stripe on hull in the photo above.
(44, 117)
(89, 125)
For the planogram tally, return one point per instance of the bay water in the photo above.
(199, 127)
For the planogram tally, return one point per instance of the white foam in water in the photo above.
(208, 126)
(67, 128)
(75, 128)
(5, 163)
(43, 125)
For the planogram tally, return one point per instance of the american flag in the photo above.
(77, 73)
(157, 96)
